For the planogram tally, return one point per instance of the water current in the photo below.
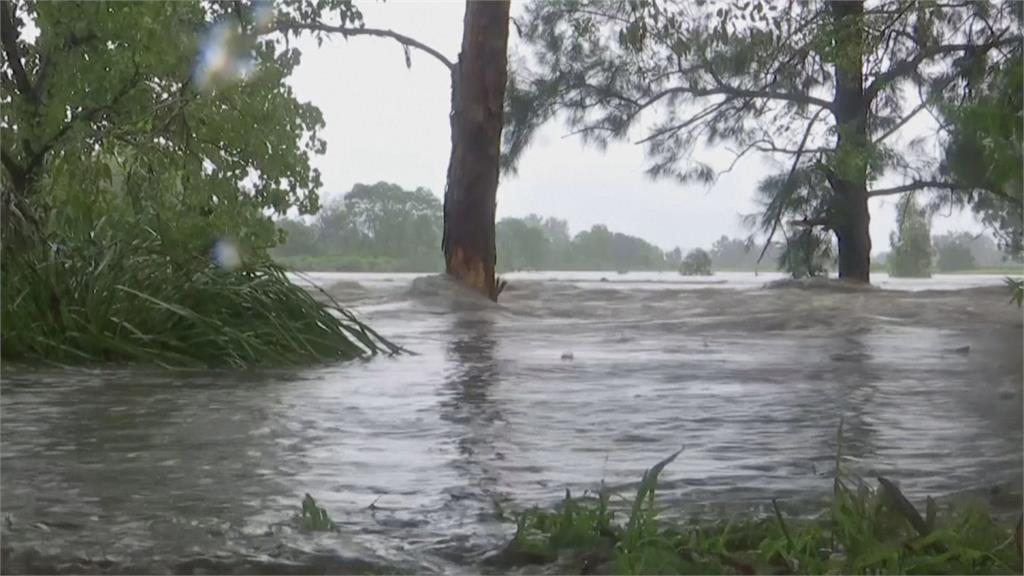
(572, 379)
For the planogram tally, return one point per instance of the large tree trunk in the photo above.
(478, 97)
(849, 215)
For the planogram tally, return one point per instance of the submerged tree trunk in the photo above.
(849, 215)
(478, 96)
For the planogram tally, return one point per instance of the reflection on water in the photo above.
(414, 456)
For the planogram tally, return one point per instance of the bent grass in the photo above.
(867, 530)
(133, 298)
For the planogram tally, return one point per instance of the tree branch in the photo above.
(903, 67)
(764, 93)
(925, 102)
(379, 33)
(709, 111)
(809, 222)
(9, 38)
(917, 185)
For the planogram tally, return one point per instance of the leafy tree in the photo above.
(985, 151)
(398, 223)
(954, 254)
(123, 80)
(984, 251)
(374, 227)
(133, 138)
(521, 245)
(741, 254)
(696, 263)
(601, 249)
(674, 258)
(911, 254)
(822, 86)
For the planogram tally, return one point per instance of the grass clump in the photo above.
(117, 292)
(314, 517)
(867, 530)
(1016, 288)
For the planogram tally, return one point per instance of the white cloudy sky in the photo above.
(387, 122)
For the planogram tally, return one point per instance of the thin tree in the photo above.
(478, 80)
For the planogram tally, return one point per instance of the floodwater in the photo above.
(571, 379)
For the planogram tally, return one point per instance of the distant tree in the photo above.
(742, 254)
(880, 262)
(521, 244)
(398, 223)
(560, 250)
(674, 258)
(911, 254)
(297, 238)
(696, 263)
(601, 249)
(374, 226)
(955, 254)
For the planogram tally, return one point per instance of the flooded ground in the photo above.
(571, 379)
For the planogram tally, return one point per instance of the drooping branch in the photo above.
(402, 39)
(9, 38)
(787, 186)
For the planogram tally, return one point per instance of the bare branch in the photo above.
(379, 33)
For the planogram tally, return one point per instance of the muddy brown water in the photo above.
(145, 470)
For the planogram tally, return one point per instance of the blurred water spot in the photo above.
(223, 57)
(225, 254)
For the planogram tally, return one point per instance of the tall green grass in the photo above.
(866, 530)
(125, 294)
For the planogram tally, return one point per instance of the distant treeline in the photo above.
(959, 252)
(384, 228)
(381, 227)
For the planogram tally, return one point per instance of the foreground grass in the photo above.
(131, 297)
(866, 531)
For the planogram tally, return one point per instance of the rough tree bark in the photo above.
(478, 95)
(849, 216)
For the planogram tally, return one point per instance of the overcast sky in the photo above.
(387, 122)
